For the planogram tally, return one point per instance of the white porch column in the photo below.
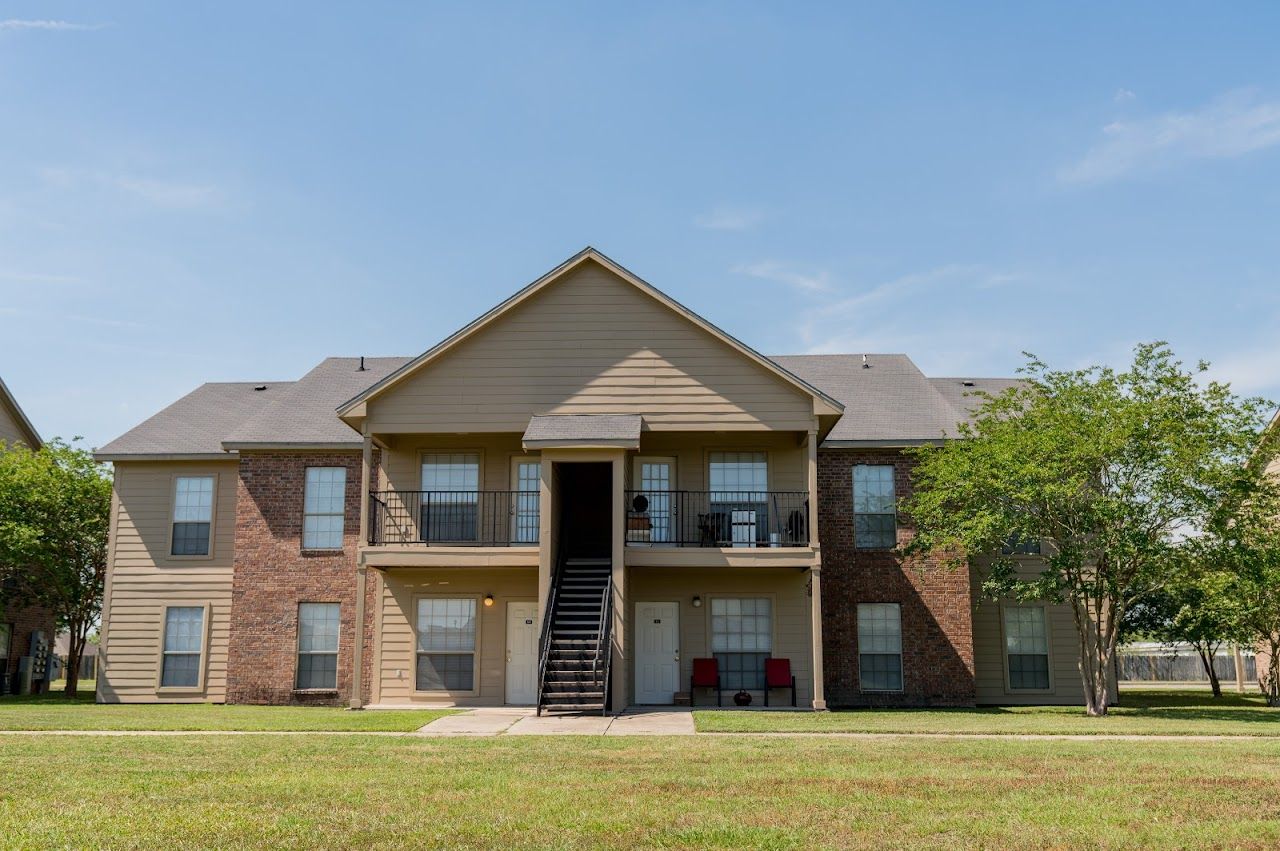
(815, 616)
(546, 477)
(811, 444)
(618, 664)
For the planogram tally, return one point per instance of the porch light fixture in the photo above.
(697, 601)
(488, 600)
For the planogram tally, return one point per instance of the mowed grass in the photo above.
(1142, 712)
(56, 712)
(586, 792)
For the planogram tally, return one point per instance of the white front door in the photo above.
(522, 653)
(657, 652)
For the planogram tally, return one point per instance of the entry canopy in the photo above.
(619, 431)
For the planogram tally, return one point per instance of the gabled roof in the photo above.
(8, 401)
(302, 413)
(193, 427)
(824, 404)
(621, 430)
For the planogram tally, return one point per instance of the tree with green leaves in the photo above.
(55, 504)
(1115, 471)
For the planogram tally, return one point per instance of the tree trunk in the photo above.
(1095, 624)
(75, 649)
(1208, 654)
(1270, 681)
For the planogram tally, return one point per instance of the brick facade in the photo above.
(24, 620)
(273, 574)
(936, 605)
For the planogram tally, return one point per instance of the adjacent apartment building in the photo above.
(19, 620)
(566, 503)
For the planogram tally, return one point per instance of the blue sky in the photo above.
(232, 192)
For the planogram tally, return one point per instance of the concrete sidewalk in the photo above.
(524, 722)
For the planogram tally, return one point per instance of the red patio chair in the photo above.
(777, 674)
(706, 674)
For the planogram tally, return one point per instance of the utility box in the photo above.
(33, 669)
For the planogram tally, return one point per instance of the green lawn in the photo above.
(1143, 712)
(575, 792)
(55, 712)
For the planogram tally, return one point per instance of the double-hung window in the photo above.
(446, 644)
(324, 508)
(741, 639)
(1026, 642)
(1019, 546)
(6, 638)
(880, 646)
(451, 492)
(875, 518)
(183, 647)
(192, 515)
(317, 646)
(739, 498)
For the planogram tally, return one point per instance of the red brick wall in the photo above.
(273, 575)
(937, 622)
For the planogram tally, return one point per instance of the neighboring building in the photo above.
(390, 530)
(17, 620)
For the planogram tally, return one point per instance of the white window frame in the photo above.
(337, 643)
(457, 500)
(861, 619)
(773, 627)
(744, 522)
(857, 544)
(203, 655)
(307, 513)
(212, 521)
(519, 505)
(474, 652)
(1004, 646)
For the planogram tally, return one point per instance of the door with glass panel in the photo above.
(655, 478)
(526, 486)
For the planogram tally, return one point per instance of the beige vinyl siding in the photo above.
(143, 579)
(988, 651)
(591, 344)
(786, 587)
(10, 431)
(397, 661)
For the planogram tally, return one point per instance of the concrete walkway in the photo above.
(524, 722)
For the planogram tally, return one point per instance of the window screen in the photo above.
(183, 641)
(192, 515)
(317, 645)
(324, 508)
(880, 646)
(1026, 641)
(446, 644)
(875, 523)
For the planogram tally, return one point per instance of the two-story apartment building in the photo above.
(565, 503)
(19, 618)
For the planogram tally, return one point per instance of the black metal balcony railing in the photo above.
(460, 518)
(717, 519)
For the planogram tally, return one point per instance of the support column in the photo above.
(815, 617)
(546, 517)
(618, 664)
(811, 444)
(357, 661)
(366, 476)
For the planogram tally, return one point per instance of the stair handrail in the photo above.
(603, 644)
(548, 616)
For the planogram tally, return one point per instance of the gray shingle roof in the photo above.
(305, 412)
(960, 391)
(584, 428)
(196, 423)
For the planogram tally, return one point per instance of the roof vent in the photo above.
(260, 388)
(865, 365)
(967, 383)
(362, 368)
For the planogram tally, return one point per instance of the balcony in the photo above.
(717, 519)
(454, 518)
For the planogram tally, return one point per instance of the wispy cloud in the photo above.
(769, 270)
(1232, 125)
(727, 217)
(19, 24)
(1123, 96)
(168, 194)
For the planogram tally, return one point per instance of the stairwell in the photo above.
(575, 668)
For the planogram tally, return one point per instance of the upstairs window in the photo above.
(880, 646)
(317, 646)
(1026, 641)
(192, 515)
(183, 647)
(875, 512)
(324, 508)
(1021, 546)
(451, 491)
(739, 498)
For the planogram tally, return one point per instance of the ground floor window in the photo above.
(317, 645)
(183, 646)
(1026, 642)
(741, 639)
(6, 638)
(880, 646)
(446, 644)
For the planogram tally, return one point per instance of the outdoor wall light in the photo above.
(697, 601)
(488, 600)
